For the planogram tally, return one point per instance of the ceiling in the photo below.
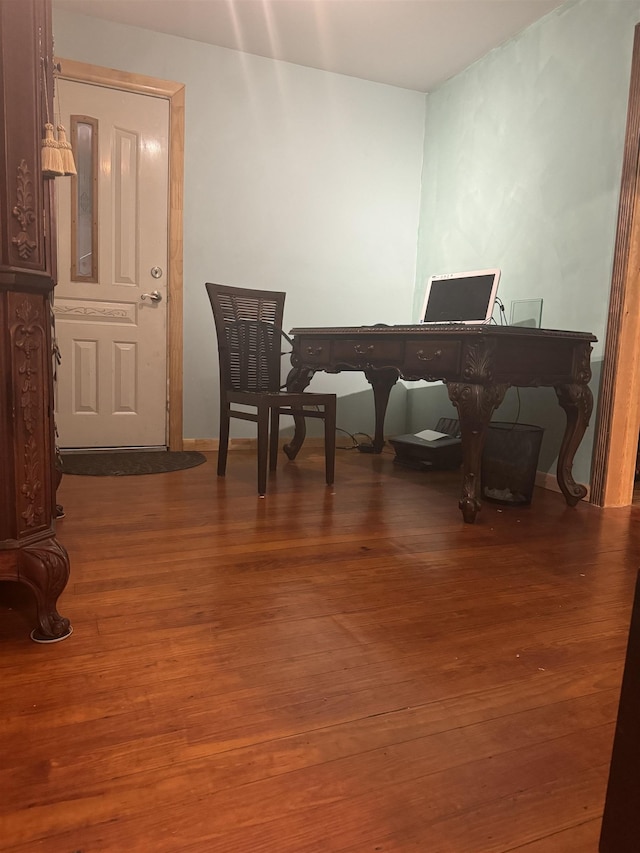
(415, 44)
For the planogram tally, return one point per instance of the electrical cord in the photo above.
(355, 444)
(363, 447)
(503, 319)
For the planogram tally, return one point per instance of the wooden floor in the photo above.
(349, 669)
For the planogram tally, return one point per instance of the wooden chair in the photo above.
(250, 337)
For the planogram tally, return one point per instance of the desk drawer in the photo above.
(368, 351)
(315, 351)
(432, 357)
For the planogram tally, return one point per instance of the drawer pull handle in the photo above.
(360, 350)
(422, 357)
(314, 350)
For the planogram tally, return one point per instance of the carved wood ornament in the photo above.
(27, 341)
(29, 551)
(24, 212)
(45, 567)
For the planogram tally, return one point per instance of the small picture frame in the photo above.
(526, 313)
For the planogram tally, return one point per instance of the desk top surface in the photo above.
(449, 329)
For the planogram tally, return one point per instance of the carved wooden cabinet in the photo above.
(29, 551)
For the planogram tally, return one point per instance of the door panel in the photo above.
(112, 380)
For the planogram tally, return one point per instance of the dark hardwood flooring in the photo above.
(347, 669)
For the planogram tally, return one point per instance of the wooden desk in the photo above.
(477, 363)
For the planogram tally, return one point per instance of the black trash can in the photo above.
(509, 462)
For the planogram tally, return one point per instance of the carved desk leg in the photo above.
(44, 566)
(475, 404)
(297, 380)
(577, 401)
(382, 381)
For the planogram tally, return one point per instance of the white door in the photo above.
(111, 300)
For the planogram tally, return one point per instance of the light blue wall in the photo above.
(295, 180)
(523, 157)
(310, 182)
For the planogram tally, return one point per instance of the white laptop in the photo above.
(463, 297)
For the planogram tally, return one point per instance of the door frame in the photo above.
(618, 426)
(81, 72)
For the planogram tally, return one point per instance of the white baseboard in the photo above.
(549, 481)
(204, 445)
(209, 445)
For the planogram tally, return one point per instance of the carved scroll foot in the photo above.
(577, 401)
(475, 404)
(300, 433)
(297, 380)
(469, 503)
(44, 567)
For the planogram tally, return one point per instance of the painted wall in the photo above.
(296, 180)
(523, 157)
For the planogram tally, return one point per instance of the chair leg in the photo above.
(330, 440)
(274, 437)
(263, 447)
(224, 438)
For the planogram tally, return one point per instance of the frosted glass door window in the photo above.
(84, 201)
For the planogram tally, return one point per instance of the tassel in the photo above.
(66, 152)
(51, 159)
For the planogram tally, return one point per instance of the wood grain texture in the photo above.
(618, 421)
(176, 277)
(345, 668)
(29, 551)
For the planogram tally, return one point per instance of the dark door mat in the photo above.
(128, 462)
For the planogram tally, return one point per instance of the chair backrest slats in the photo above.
(249, 328)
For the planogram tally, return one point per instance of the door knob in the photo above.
(154, 296)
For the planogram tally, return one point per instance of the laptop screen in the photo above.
(466, 297)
